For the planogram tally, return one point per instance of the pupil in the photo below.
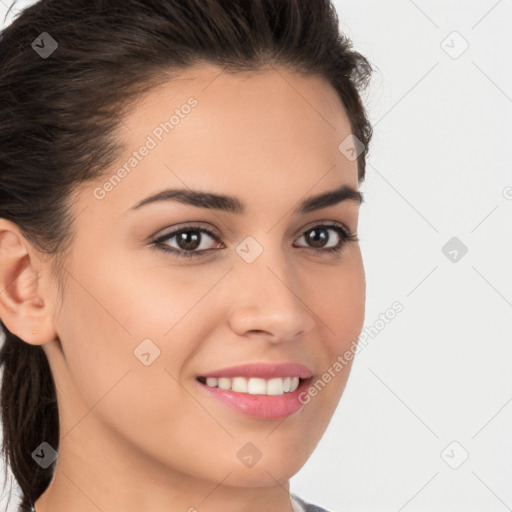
(317, 236)
(190, 239)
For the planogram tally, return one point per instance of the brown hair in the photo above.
(59, 115)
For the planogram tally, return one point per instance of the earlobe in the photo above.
(24, 308)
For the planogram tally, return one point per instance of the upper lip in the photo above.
(263, 370)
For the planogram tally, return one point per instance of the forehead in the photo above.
(269, 86)
(224, 132)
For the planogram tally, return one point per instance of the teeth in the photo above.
(224, 383)
(255, 385)
(212, 382)
(239, 384)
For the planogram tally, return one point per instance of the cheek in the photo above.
(156, 301)
(97, 348)
(121, 324)
(336, 297)
(105, 380)
(339, 303)
(341, 309)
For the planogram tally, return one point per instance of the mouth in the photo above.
(259, 390)
(254, 385)
(260, 398)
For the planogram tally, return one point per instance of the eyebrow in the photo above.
(232, 204)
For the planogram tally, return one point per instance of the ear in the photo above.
(26, 305)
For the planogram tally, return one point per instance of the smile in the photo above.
(253, 385)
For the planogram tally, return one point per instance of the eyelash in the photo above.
(343, 232)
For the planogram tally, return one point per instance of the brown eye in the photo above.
(319, 238)
(190, 241)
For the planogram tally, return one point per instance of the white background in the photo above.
(439, 167)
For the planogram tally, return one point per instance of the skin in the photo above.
(136, 437)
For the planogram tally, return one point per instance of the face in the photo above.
(162, 293)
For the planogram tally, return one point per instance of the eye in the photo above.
(190, 240)
(318, 237)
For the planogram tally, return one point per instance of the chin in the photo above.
(262, 477)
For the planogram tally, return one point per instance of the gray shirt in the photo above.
(308, 507)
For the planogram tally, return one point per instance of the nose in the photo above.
(270, 300)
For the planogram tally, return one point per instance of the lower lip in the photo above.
(264, 407)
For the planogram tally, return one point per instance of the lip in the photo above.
(263, 371)
(263, 407)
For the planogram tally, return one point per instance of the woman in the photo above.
(180, 270)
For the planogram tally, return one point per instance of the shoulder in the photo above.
(308, 507)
